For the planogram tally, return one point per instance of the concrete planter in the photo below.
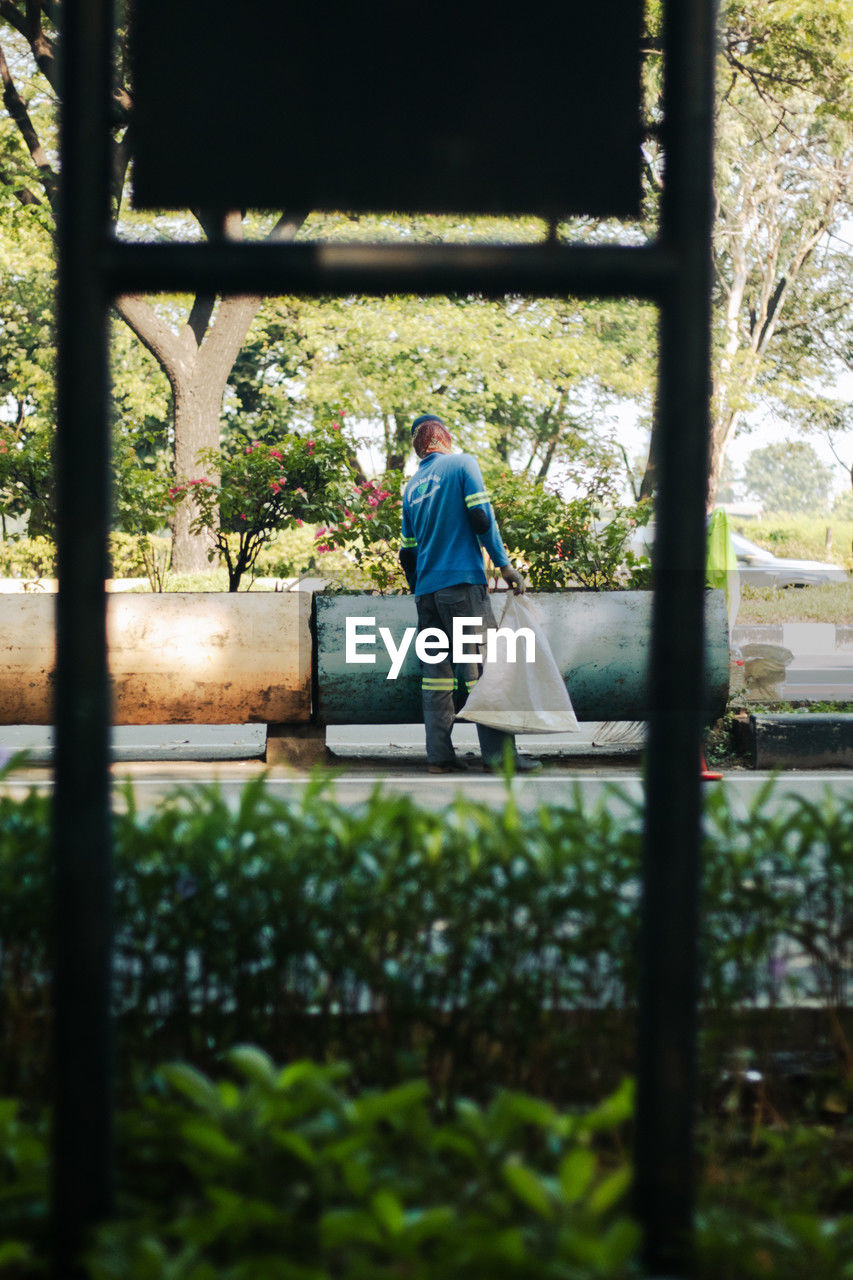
(600, 641)
(175, 658)
(259, 658)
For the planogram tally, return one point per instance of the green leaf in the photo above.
(254, 1064)
(12, 1251)
(621, 1242)
(389, 1211)
(610, 1190)
(615, 1110)
(209, 1139)
(382, 1106)
(344, 1226)
(528, 1186)
(193, 1084)
(524, 1109)
(577, 1170)
(296, 1145)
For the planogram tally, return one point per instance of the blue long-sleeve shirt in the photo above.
(436, 525)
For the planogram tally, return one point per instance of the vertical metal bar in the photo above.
(82, 1135)
(669, 961)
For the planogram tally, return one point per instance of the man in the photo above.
(447, 517)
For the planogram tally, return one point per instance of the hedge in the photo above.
(483, 948)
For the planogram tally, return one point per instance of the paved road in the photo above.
(619, 784)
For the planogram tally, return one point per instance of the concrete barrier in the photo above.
(250, 658)
(600, 641)
(803, 740)
(175, 658)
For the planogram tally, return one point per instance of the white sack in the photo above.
(521, 696)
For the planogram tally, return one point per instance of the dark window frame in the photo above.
(675, 273)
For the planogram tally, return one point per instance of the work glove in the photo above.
(513, 579)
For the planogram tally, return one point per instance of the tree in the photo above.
(27, 377)
(782, 189)
(788, 476)
(26, 365)
(529, 381)
(195, 344)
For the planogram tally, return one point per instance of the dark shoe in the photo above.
(448, 766)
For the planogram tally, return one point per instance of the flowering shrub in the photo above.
(262, 489)
(558, 544)
(367, 524)
(563, 544)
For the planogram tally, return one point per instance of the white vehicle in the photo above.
(757, 567)
(760, 568)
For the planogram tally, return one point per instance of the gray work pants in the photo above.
(443, 687)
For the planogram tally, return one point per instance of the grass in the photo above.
(830, 602)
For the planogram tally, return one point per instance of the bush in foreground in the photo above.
(281, 1174)
(263, 1172)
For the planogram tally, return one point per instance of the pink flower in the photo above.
(322, 548)
(248, 449)
(320, 532)
(311, 444)
(336, 426)
(275, 486)
(242, 515)
(373, 502)
(368, 515)
(299, 522)
(274, 453)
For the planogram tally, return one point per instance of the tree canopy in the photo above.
(533, 383)
(788, 476)
(528, 381)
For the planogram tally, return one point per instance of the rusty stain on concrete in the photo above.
(175, 658)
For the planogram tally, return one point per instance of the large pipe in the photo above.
(175, 658)
(600, 641)
(249, 658)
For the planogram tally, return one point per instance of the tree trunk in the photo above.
(398, 440)
(197, 361)
(196, 428)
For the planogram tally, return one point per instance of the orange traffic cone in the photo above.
(706, 774)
